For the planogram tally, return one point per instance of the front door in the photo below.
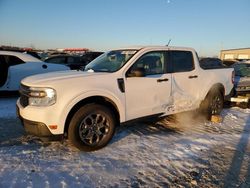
(148, 86)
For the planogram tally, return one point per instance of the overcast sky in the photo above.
(206, 25)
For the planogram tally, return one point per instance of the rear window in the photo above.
(12, 60)
(211, 63)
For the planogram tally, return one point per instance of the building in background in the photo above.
(239, 54)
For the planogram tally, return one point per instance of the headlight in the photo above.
(41, 96)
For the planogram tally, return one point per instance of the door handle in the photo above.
(162, 80)
(194, 76)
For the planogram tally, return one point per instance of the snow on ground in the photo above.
(182, 152)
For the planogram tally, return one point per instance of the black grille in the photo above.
(24, 99)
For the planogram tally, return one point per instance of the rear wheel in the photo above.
(213, 104)
(92, 127)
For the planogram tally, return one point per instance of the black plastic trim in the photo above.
(121, 84)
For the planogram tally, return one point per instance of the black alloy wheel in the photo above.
(216, 104)
(91, 127)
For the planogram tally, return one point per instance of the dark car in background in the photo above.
(90, 56)
(241, 93)
(74, 62)
(241, 85)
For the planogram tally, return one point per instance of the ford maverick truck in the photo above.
(119, 86)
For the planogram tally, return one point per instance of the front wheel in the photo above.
(91, 127)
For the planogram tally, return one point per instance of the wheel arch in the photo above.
(92, 100)
(215, 87)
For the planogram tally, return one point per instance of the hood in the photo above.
(42, 79)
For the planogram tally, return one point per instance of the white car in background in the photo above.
(14, 66)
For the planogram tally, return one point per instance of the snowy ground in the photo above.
(190, 152)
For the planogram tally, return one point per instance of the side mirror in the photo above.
(138, 72)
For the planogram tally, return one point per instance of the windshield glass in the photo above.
(242, 69)
(110, 61)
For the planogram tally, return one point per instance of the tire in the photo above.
(92, 127)
(213, 104)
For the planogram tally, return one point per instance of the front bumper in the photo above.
(34, 128)
(37, 120)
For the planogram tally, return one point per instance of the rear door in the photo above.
(186, 81)
(147, 92)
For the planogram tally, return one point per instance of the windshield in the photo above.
(110, 61)
(242, 70)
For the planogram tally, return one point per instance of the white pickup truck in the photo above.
(119, 86)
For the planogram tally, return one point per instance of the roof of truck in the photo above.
(155, 48)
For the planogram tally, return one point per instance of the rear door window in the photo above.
(182, 61)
